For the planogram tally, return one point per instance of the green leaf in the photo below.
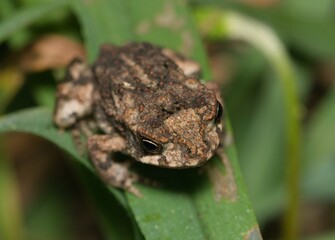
(189, 205)
(38, 121)
(162, 22)
(25, 17)
(181, 211)
(165, 213)
(7, 9)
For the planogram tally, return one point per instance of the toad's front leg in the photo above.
(100, 148)
(75, 96)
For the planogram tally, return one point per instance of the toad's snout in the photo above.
(194, 140)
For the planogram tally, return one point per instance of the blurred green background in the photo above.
(292, 194)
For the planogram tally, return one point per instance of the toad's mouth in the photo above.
(174, 162)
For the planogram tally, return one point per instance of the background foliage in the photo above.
(52, 194)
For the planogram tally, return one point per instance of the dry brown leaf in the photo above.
(49, 52)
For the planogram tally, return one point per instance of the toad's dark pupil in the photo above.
(150, 146)
(219, 112)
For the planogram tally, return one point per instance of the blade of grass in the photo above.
(7, 9)
(186, 212)
(212, 205)
(167, 23)
(25, 17)
(218, 24)
(38, 121)
(115, 22)
(102, 22)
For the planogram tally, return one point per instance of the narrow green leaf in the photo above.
(186, 209)
(189, 204)
(175, 212)
(103, 21)
(7, 9)
(25, 17)
(38, 121)
(162, 22)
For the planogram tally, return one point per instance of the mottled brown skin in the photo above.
(149, 104)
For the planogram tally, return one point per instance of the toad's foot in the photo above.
(116, 174)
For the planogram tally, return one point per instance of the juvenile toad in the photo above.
(146, 102)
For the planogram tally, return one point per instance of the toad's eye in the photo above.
(219, 112)
(150, 146)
